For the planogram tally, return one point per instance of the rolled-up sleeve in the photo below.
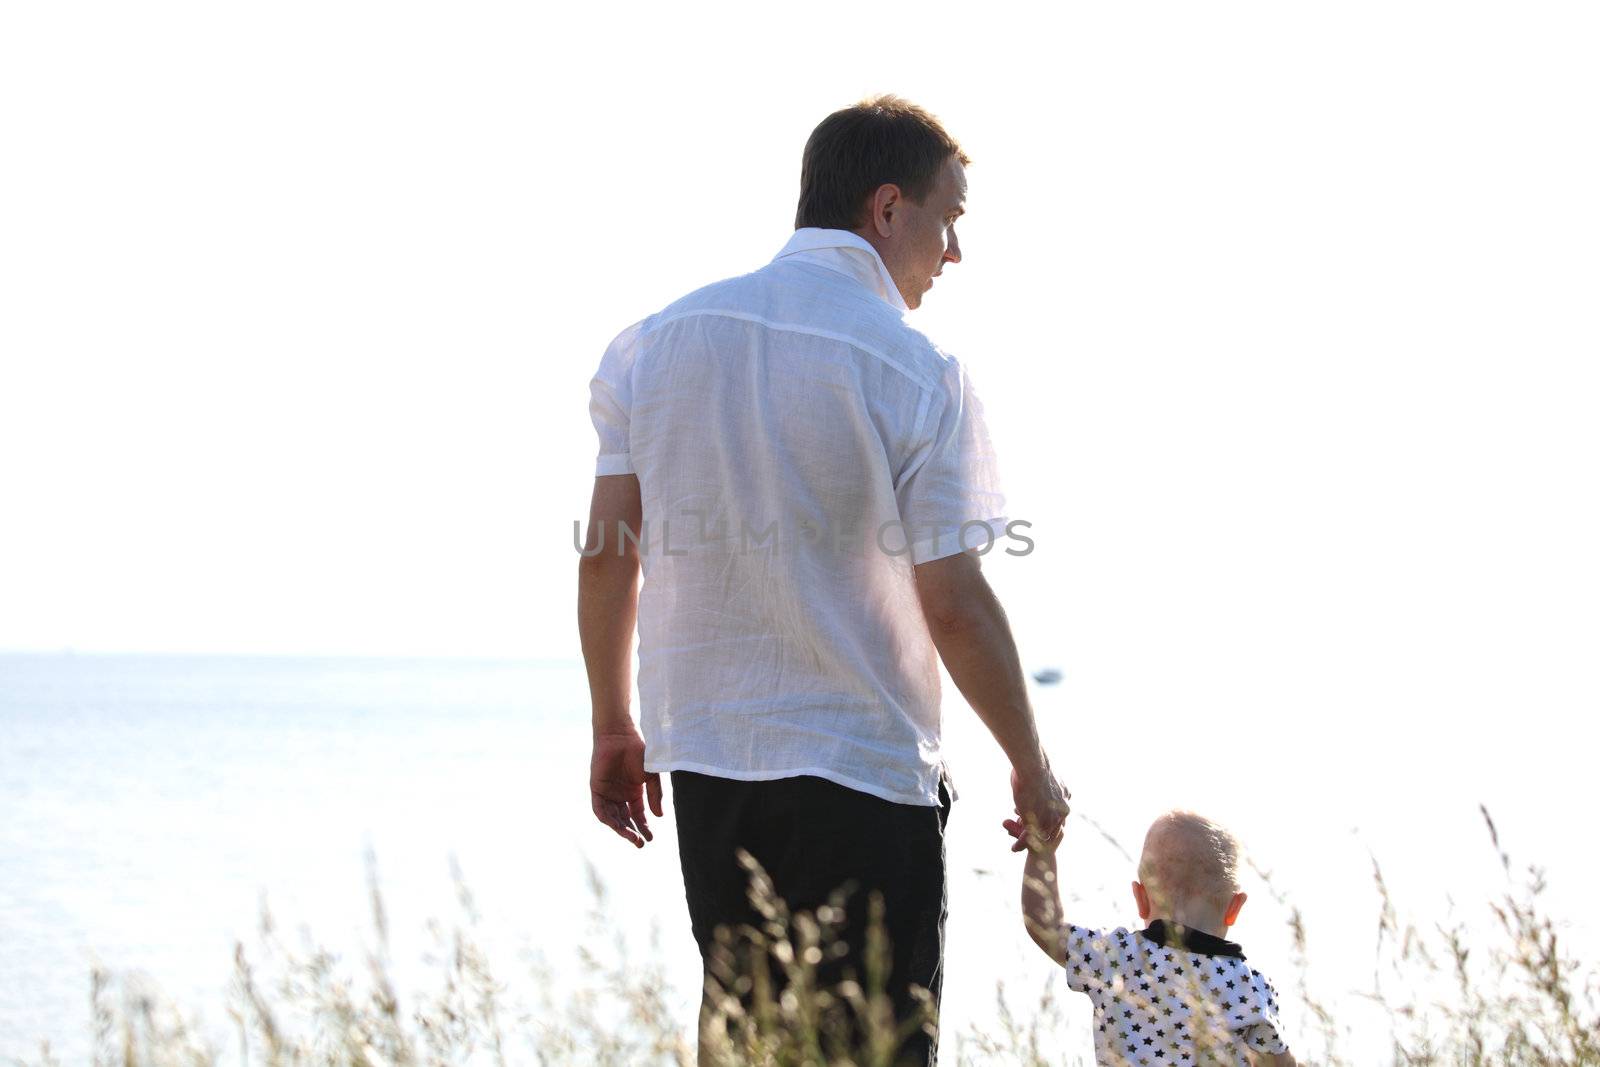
(950, 496)
(610, 399)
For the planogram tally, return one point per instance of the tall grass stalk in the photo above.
(1514, 997)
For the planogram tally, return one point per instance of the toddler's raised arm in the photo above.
(1041, 893)
(1271, 1059)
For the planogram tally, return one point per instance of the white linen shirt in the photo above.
(799, 446)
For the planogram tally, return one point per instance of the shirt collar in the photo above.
(848, 253)
(1168, 934)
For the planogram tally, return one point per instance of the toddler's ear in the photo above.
(1142, 898)
(1231, 916)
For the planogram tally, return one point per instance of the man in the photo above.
(807, 483)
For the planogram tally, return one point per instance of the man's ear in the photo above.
(1142, 898)
(1231, 916)
(885, 206)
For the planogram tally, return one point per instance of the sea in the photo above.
(154, 809)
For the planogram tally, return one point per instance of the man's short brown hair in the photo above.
(882, 140)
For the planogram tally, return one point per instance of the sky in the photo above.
(1283, 316)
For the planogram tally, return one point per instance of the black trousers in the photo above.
(812, 836)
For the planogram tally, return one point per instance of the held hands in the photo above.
(1023, 839)
(1041, 807)
(618, 785)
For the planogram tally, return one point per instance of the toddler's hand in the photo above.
(1024, 838)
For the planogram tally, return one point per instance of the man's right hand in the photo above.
(1041, 802)
(973, 638)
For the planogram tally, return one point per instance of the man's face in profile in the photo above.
(925, 234)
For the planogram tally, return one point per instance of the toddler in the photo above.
(1175, 993)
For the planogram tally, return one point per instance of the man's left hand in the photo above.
(618, 785)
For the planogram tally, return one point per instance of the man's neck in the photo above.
(859, 258)
(877, 246)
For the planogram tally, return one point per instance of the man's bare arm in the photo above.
(973, 637)
(608, 609)
(608, 599)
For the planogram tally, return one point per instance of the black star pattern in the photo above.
(1107, 963)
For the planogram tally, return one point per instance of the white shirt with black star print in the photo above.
(1171, 996)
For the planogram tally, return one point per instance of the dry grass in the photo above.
(1516, 998)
